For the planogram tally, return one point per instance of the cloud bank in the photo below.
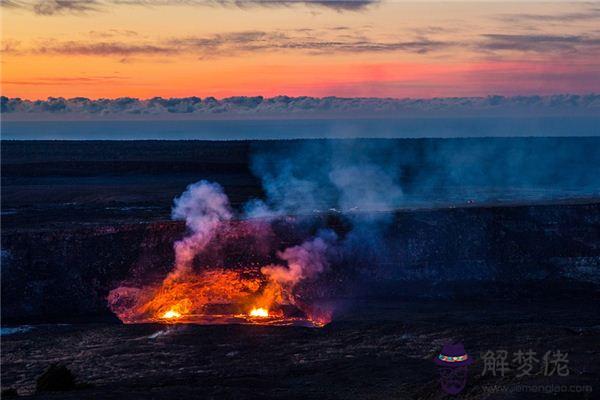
(296, 107)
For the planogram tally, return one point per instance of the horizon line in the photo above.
(490, 95)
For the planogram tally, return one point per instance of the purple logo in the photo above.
(452, 364)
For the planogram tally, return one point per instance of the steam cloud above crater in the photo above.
(189, 289)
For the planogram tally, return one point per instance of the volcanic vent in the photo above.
(201, 289)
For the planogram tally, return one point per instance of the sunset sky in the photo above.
(137, 48)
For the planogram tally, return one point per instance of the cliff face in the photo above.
(496, 252)
(525, 251)
(64, 274)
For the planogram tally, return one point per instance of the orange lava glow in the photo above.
(259, 312)
(171, 314)
(214, 296)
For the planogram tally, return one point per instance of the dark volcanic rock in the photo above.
(381, 350)
(56, 378)
(9, 393)
(65, 274)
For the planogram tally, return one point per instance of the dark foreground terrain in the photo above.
(374, 351)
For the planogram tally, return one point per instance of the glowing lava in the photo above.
(259, 312)
(171, 314)
(214, 297)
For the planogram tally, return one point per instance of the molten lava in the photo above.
(215, 296)
(259, 312)
(171, 314)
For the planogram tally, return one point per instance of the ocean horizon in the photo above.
(274, 129)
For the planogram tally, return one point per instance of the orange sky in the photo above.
(383, 49)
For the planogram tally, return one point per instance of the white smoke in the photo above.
(322, 175)
(366, 187)
(204, 207)
(287, 192)
(304, 261)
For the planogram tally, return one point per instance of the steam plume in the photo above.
(304, 261)
(187, 290)
(204, 207)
